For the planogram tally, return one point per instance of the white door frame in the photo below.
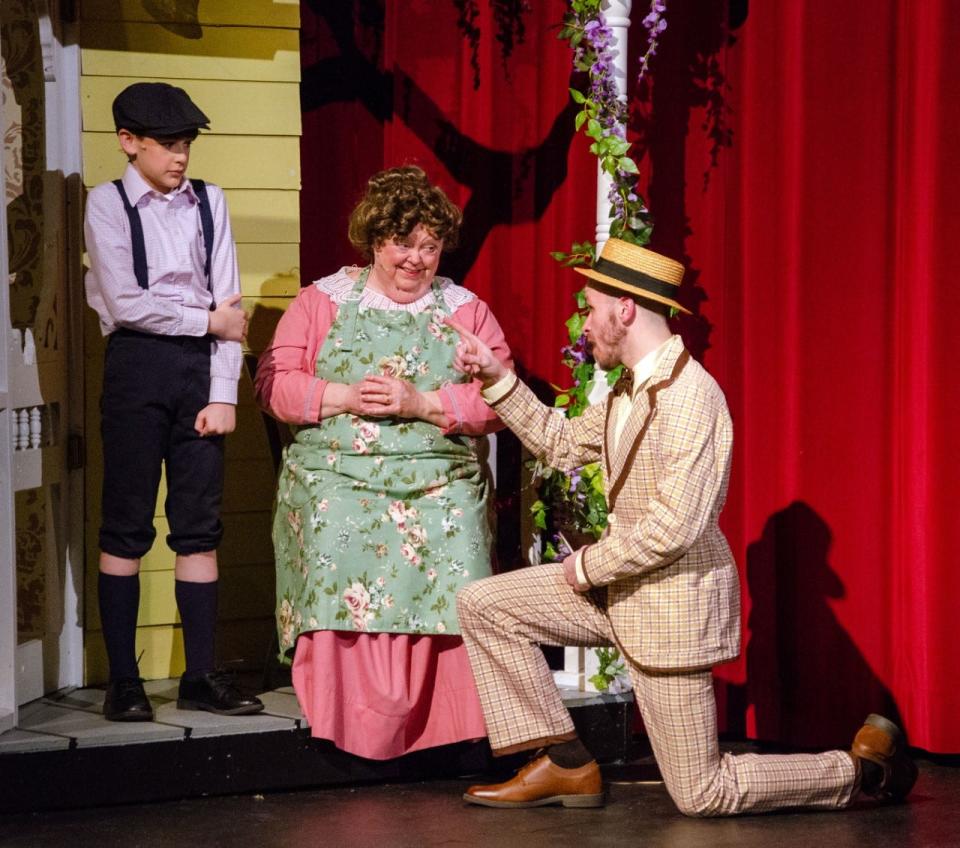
(63, 650)
(8, 582)
(36, 667)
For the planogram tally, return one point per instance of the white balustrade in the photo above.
(29, 418)
(23, 430)
(36, 425)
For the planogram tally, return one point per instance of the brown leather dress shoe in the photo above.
(541, 782)
(880, 741)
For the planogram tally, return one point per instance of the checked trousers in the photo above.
(504, 618)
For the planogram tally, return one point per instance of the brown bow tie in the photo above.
(624, 382)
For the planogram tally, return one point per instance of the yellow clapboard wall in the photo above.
(240, 62)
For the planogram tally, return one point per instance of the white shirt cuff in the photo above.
(223, 390)
(194, 321)
(578, 567)
(493, 393)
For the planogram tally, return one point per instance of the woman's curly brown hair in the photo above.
(398, 199)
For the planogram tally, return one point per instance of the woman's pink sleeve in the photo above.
(286, 385)
(466, 410)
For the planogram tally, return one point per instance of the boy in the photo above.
(163, 279)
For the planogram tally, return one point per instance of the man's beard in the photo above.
(609, 338)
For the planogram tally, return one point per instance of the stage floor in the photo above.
(65, 755)
(428, 814)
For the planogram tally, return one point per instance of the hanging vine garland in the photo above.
(572, 507)
(602, 118)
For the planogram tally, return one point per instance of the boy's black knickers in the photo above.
(153, 389)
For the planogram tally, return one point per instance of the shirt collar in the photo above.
(644, 369)
(137, 187)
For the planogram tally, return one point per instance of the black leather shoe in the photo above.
(215, 692)
(126, 701)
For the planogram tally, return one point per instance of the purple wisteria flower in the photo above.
(562, 550)
(655, 23)
(598, 34)
(572, 354)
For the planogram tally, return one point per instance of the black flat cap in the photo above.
(157, 109)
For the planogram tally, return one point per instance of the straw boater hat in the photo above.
(639, 271)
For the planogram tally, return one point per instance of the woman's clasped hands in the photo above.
(388, 397)
(382, 396)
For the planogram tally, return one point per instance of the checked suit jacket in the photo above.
(663, 572)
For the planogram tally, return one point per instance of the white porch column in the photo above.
(63, 646)
(617, 15)
(580, 663)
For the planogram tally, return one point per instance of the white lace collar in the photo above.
(338, 285)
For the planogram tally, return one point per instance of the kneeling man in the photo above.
(661, 584)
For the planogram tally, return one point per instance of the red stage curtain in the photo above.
(800, 159)
(823, 271)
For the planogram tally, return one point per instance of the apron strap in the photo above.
(352, 301)
(438, 300)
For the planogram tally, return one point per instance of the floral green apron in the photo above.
(379, 521)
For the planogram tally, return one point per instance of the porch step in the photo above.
(65, 755)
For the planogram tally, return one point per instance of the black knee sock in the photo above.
(569, 754)
(119, 599)
(871, 776)
(197, 603)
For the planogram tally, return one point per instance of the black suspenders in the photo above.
(136, 237)
(136, 232)
(206, 224)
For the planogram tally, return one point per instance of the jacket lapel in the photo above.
(644, 408)
(608, 425)
(631, 429)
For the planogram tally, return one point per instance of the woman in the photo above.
(382, 505)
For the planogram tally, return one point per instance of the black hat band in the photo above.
(635, 278)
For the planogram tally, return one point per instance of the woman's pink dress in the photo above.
(381, 695)
(377, 695)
